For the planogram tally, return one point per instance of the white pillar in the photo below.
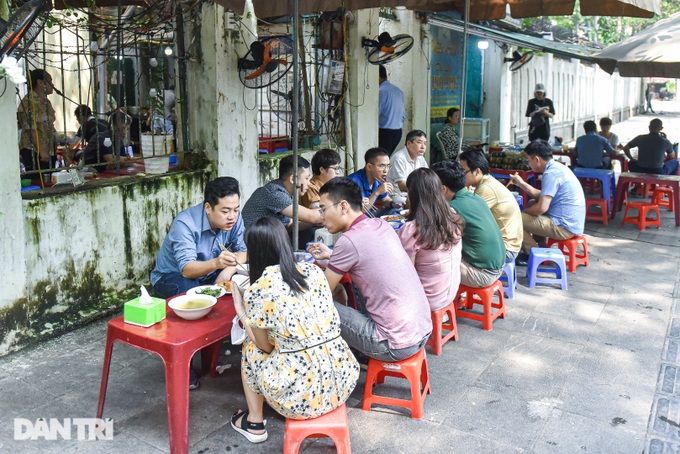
(362, 79)
(12, 248)
(222, 117)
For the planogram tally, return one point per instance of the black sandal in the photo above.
(246, 426)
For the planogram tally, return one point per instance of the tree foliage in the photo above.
(601, 30)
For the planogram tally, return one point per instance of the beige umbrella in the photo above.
(479, 9)
(652, 52)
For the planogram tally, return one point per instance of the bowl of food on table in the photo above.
(395, 220)
(192, 306)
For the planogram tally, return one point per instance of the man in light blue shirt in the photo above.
(391, 113)
(560, 208)
(590, 149)
(192, 252)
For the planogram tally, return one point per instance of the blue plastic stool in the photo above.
(540, 255)
(520, 202)
(510, 277)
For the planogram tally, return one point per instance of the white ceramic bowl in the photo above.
(180, 305)
(398, 198)
(241, 281)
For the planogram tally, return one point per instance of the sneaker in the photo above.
(193, 380)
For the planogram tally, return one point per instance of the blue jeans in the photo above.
(174, 283)
(359, 332)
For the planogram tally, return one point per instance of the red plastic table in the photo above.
(175, 340)
(627, 178)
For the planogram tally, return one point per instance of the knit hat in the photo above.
(539, 87)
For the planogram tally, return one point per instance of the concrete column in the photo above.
(362, 79)
(222, 114)
(12, 249)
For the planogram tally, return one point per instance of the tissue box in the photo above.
(142, 314)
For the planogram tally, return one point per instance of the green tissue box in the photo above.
(145, 315)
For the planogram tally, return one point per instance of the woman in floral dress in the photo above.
(294, 357)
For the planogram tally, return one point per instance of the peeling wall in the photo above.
(86, 252)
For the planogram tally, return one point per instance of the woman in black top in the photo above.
(541, 110)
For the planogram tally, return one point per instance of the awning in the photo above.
(516, 39)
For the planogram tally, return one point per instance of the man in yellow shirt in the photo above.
(325, 167)
(501, 202)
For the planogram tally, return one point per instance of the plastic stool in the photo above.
(333, 425)
(436, 340)
(602, 215)
(540, 255)
(641, 219)
(414, 369)
(509, 276)
(569, 248)
(485, 297)
(659, 199)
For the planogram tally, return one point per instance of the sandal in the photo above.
(246, 426)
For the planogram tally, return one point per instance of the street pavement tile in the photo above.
(615, 328)
(669, 380)
(530, 365)
(671, 351)
(374, 431)
(611, 384)
(658, 446)
(569, 433)
(464, 442)
(665, 419)
(18, 395)
(558, 327)
(500, 415)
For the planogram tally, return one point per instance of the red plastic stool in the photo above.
(414, 369)
(333, 425)
(641, 219)
(436, 340)
(570, 249)
(659, 197)
(485, 297)
(346, 281)
(602, 215)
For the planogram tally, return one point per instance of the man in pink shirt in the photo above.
(395, 321)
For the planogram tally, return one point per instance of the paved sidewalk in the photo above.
(594, 369)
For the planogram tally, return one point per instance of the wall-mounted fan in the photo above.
(17, 34)
(518, 60)
(387, 48)
(280, 98)
(267, 61)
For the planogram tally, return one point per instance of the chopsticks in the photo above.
(237, 262)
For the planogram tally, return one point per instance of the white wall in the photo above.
(12, 244)
(579, 91)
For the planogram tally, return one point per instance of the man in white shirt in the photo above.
(408, 159)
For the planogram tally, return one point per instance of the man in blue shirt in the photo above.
(371, 180)
(391, 113)
(652, 148)
(559, 210)
(590, 149)
(192, 252)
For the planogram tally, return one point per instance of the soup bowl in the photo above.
(192, 307)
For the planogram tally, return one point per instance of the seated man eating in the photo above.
(560, 208)
(372, 181)
(275, 199)
(192, 252)
(393, 320)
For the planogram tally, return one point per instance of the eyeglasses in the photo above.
(322, 210)
(382, 166)
(335, 169)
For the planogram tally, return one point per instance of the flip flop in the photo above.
(247, 425)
